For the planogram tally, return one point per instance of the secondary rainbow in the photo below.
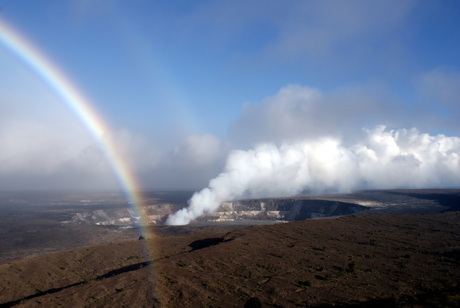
(82, 108)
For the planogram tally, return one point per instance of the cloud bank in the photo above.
(382, 159)
(51, 154)
(301, 112)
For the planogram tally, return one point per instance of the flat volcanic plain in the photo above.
(365, 260)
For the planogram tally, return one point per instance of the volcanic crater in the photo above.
(366, 259)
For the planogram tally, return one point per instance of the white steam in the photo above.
(383, 159)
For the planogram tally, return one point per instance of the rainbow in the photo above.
(83, 109)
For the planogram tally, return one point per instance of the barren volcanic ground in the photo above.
(363, 260)
(36, 223)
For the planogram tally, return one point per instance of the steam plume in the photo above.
(383, 159)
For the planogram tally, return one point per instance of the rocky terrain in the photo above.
(294, 208)
(364, 260)
(36, 223)
(242, 256)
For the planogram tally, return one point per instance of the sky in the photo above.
(186, 88)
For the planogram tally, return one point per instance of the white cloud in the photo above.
(135, 150)
(381, 159)
(41, 155)
(438, 94)
(299, 112)
(200, 150)
(191, 164)
(50, 154)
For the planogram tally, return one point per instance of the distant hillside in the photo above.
(365, 260)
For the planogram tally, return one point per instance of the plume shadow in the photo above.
(207, 242)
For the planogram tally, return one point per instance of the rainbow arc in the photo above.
(81, 106)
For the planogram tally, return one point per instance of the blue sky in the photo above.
(182, 83)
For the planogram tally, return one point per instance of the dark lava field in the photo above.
(381, 257)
